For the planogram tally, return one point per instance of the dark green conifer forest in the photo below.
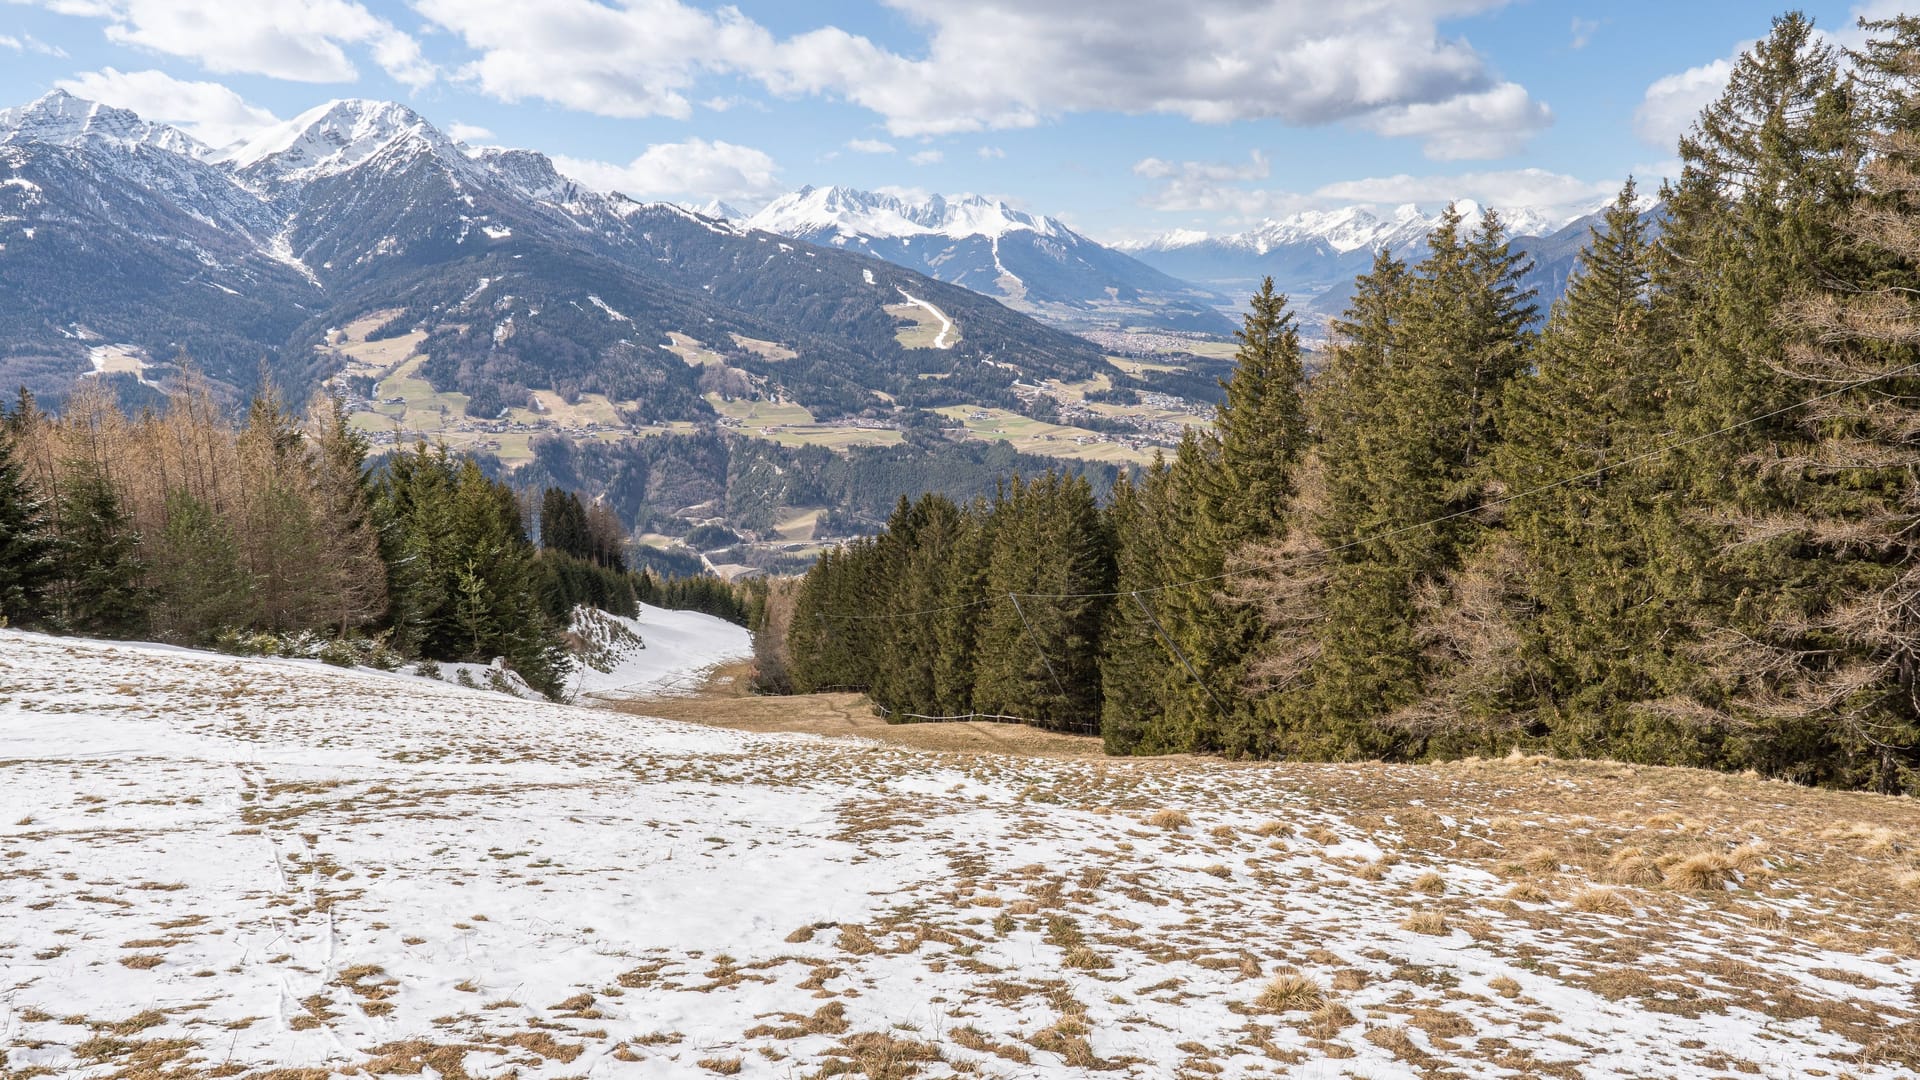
(1672, 520)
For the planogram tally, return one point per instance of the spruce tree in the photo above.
(100, 586)
(200, 585)
(1233, 488)
(27, 544)
(1585, 514)
(1827, 674)
(1768, 175)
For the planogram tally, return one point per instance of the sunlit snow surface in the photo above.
(208, 862)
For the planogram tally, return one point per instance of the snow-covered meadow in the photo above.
(213, 866)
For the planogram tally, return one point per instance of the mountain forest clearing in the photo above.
(217, 866)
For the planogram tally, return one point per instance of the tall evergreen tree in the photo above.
(1037, 651)
(27, 544)
(1586, 515)
(1829, 675)
(1768, 174)
(100, 586)
(1232, 488)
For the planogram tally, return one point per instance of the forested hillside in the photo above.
(1673, 522)
(275, 536)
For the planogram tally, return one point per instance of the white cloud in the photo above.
(870, 146)
(1583, 31)
(1529, 189)
(469, 133)
(694, 169)
(208, 111)
(1226, 191)
(991, 64)
(1214, 187)
(1255, 168)
(1492, 124)
(991, 152)
(26, 43)
(927, 157)
(638, 59)
(298, 40)
(1673, 103)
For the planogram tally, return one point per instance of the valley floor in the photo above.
(213, 866)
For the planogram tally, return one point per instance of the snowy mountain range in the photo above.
(1313, 256)
(118, 231)
(1028, 261)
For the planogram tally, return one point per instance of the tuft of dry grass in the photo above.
(723, 1066)
(143, 961)
(1273, 828)
(1430, 883)
(1504, 986)
(1708, 871)
(1427, 922)
(1529, 892)
(1601, 902)
(1540, 860)
(1171, 820)
(1289, 992)
(1631, 866)
(1330, 1019)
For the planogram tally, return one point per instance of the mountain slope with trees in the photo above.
(1670, 525)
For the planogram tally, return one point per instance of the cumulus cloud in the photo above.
(208, 111)
(298, 40)
(636, 59)
(1672, 103)
(991, 153)
(870, 146)
(927, 157)
(469, 133)
(1016, 63)
(1494, 123)
(694, 169)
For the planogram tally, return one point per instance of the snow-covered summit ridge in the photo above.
(844, 211)
(58, 118)
(334, 137)
(1353, 228)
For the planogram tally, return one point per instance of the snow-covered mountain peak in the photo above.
(1354, 228)
(334, 137)
(850, 212)
(527, 171)
(58, 118)
(719, 210)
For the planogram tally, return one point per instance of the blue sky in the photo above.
(1124, 117)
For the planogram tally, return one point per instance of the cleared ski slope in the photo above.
(216, 866)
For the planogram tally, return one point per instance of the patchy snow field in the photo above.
(213, 866)
(676, 650)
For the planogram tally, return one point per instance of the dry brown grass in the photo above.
(1290, 992)
(1707, 871)
(1168, 819)
(725, 1066)
(1427, 922)
(1600, 902)
(726, 704)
